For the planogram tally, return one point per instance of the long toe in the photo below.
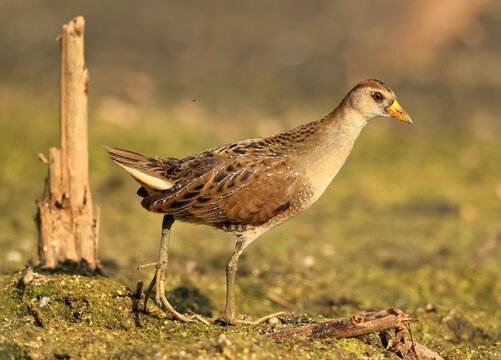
(248, 320)
(168, 306)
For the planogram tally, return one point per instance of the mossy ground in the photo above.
(95, 317)
(400, 227)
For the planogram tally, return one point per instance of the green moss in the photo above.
(96, 317)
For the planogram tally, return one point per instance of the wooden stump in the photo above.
(68, 230)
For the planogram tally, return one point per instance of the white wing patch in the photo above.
(151, 181)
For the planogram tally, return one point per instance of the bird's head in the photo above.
(374, 98)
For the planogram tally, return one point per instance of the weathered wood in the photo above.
(74, 81)
(352, 326)
(68, 231)
(407, 349)
(375, 322)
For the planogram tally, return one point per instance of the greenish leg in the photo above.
(229, 315)
(231, 272)
(158, 280)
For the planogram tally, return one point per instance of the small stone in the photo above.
(273, 321)
(309, 261)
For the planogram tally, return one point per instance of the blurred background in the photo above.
(414, 206)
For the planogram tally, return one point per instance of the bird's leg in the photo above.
(158, 280)
(231, 272)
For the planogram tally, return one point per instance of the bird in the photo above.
(250, 186)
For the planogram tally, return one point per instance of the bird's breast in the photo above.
(321, 169)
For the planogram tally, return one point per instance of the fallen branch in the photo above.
(364, 324)
(352, 326)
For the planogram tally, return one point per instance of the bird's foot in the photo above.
(233, 320)
(158, 282)
(200, 318)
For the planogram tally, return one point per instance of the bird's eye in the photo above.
(377, 96)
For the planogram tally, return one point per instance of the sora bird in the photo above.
(250, 186)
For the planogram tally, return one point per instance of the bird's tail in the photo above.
(148, 171)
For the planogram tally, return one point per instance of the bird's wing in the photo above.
(248, 182)
(242, 190)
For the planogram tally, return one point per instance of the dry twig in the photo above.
(364, 324)
(42, 158)
(37, 314)
(352, 326)
(407, 348)
(139, 290)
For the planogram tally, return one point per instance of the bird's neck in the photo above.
(338, 131)
(330, 146)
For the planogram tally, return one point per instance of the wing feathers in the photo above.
(230, 187)
(147, 179)
(145, 170)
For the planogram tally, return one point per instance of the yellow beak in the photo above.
(396, 111)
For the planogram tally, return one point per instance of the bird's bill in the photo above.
(396, 111)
